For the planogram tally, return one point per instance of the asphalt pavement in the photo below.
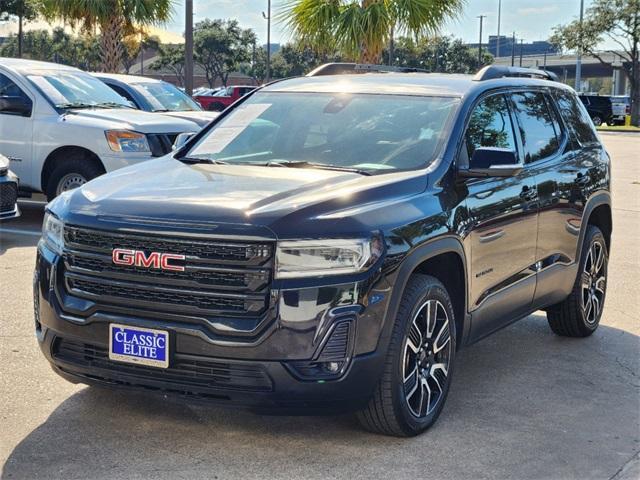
(524, 403)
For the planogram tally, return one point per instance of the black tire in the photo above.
(390, 410)
(572, 317)
(596, 119)
(77, 163)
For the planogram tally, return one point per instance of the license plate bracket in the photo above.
(139, 345)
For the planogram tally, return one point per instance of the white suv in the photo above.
(60, 127)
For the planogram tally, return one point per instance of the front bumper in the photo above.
(268, 373)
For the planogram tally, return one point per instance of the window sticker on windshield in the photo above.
(230, 128)
(49, 90)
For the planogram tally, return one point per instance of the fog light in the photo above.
(331, 367)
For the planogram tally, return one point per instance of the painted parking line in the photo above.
(17, 231)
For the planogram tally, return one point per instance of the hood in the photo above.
(200, 118)
(167, 191)
(129, 119)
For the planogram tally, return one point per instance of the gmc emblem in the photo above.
(137, 258)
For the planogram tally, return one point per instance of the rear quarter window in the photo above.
(576, 118)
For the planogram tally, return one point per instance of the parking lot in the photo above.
(524, 403)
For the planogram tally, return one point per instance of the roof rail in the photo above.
(499, 71)
(342, 68)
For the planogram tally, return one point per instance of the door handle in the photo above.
(491, 236)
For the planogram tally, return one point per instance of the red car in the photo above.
(223, 98)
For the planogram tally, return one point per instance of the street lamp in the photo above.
(481, 17)
(267, 17)
(188, 48)
(579, 57)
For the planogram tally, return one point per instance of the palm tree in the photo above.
(114, 18)
(359, 29)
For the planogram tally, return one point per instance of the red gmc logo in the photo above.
(137, 258)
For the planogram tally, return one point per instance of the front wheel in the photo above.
(419, 362)
(73, 172)
(579, 314)
(597, 120)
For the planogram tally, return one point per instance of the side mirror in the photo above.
(492, 162)
(181, 139)
(15, 105)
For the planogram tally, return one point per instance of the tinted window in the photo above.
(490, 125)
(8, 90)
(536, 126)
(576, 117)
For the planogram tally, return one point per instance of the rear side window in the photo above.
(490, 125)
(536, 125)
(576, 117)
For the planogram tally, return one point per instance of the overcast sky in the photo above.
(531, 20)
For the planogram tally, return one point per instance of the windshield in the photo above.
(165, 97)
(224, 92)
(69, 89)
(355, 131)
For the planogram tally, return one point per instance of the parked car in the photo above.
(620, 107)
(156, 96)
(61, 127)
(8, 191)
(599, 108)
(330, 242)
(223, 98)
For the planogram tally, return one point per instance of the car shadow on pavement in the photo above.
(524, 404)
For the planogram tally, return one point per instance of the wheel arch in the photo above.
(444, 259)
(598, 213)
(58, 155)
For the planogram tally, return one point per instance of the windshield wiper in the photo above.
(75, 105)
(211, 161)
(321, 166)
(160, 110)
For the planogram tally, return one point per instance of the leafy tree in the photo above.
(617, 21)
(56, 46)
(115, 18)
(360, 29)
(220, 47)
(24, 10)
(436, 54)
(171, 57)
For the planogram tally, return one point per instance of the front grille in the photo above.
(219, 277)
(161, 143)
(8, 196)
(185, 372)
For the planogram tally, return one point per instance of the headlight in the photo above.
(311, 258)
(126, 141)
(53, 233)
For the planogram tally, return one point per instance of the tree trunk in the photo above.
(111, 44)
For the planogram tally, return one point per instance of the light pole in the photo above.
(481, 17)
(498, 35)
(513, 48)
(579, 57)
(267, 17)
(188, 48)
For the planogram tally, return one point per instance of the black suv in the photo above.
(600, 109)
(329, 242)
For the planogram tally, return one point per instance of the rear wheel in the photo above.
(419, 363)
(73, 172)
(579, 314)
(596, 119)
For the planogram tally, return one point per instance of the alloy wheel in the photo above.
(593, 282)
(425, 360)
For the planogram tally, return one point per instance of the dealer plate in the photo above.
(141, 346)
